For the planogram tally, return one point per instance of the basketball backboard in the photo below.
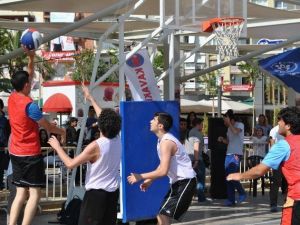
(229, 8)
(191, 13)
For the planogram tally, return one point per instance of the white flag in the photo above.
(140, 76)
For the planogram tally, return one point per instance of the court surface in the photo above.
(254, 211)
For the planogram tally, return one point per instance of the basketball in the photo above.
(31, 39)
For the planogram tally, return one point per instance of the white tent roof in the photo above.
(278, 30)
(56, 5)
(187, 106)
(226, 104)
(150, 7)
(91, 30)
(263, 22)
(204, 106)
(95, 29)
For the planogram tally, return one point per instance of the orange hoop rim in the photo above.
(229, 21)
(208, 25)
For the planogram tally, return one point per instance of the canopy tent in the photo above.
(92, 30)
(237, 107)
(263, 21)
(187, 106)
(208, 9)
(96, 29)
(259, 18)
(211, 105)
(284, 67)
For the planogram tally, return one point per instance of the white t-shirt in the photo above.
(235, 141)
(105, 172)
(275, 135)
(180, 164)
(259, 146)
(189, 147)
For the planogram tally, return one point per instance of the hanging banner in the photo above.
(66, 56)
(63, 17)
(233, 87)
(62, 43)
(140, 77)
(285, 67)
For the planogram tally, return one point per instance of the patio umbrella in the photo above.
(187, 106)
(227, 103)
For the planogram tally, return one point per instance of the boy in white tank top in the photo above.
(174, 163)
(103, 156)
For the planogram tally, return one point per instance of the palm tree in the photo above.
(251, 69)
(84, 63)
(9, 41)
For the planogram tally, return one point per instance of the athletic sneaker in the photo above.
(242, 198)
(229, 203)
(274, 208)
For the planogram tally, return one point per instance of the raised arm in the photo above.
(30, 66)
(90, 154)
(89, 97)
(235, 130)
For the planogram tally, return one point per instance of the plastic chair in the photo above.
(251, 162)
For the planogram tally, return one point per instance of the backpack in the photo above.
(70, 214)
(206, 159)
(3, 131)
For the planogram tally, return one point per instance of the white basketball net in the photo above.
(227, 33)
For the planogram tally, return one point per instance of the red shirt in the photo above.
(25, 139)
(291, 167)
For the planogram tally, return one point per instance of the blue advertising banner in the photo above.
(139, 155)
(285, 67)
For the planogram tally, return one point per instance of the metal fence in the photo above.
(247, 151)
(58, 176)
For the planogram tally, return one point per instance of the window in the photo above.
(280, 5)
(245, 80)
(238, 80)
(190, 65)
(261, 2)
(186, 39)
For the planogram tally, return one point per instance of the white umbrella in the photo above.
(187, 106)
(206, 106)
(226, 103)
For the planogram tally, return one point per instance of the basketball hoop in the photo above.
(227, 31)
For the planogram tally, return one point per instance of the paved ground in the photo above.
(254, 211)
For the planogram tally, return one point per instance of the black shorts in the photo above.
(179, 198)
(28, 171)
(99, 207)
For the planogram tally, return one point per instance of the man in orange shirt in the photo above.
(283, 154)
(25, 152)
